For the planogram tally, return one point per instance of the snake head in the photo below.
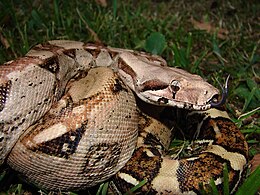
(166, 86)
(177, 88)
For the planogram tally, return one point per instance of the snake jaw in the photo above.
(222, 101)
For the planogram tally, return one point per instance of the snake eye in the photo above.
(174, 86)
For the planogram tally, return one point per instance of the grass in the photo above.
(212, 39)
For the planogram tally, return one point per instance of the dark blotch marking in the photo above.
(229, 136)
(51, 64)
(112, 54)
(94, 52)
(187, 106)
(47, 47)
(140, 166)
(70, 53)
(4, 93)
(22, 121)
(204, 168)
(153, 85)
(163, 100)
(151, 140)
(14, 128)
(118, 86)
(2, 125)
(126, 68)
(93, 48)
(70, 139)
(128, 116)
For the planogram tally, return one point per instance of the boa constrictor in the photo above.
(69, 120)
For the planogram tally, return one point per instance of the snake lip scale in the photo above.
(75, 114)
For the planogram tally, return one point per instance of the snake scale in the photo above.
(69, 120)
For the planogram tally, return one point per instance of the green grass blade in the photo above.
(213, 187)
(136, 187)
(251, 184)
(56, 12)
(189, 45)
(225, 180)
(104, 189)
(114, 8)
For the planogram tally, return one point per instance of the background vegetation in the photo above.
(211, 38)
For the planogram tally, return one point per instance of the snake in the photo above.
(75, 114)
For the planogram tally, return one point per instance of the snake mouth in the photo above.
(215, 102)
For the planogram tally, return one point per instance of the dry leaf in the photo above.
(103, 3)
(4, 41)
(221, 33)
(255, 162)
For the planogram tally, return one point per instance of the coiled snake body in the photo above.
(69, 120)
